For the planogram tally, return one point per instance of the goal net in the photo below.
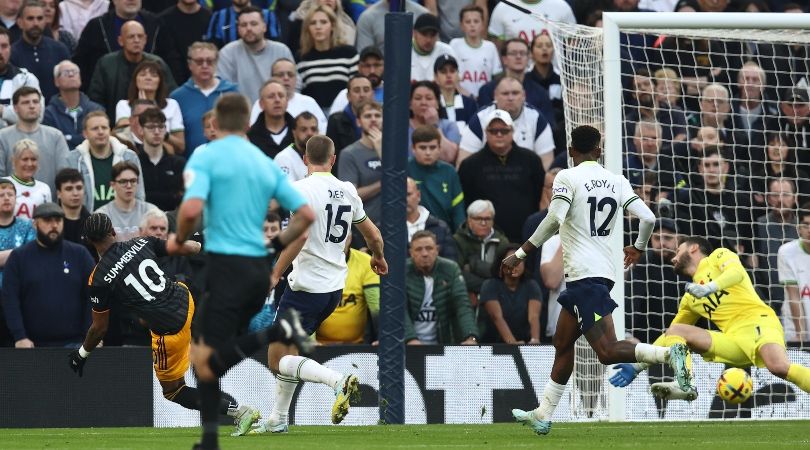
(709, 117)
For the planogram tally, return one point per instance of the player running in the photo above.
(127, 275)
(584, 208)
(749, 330)
(317, 280)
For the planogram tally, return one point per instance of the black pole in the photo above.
(391, 353)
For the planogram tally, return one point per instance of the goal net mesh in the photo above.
(716, 140)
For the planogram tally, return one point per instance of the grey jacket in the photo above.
(79, 159)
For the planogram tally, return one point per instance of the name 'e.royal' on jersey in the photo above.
(320, 267)
(595, 195)
(736, 305)
(128, 275)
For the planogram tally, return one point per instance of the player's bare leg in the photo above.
(200, 355)
(564, 341)
(609, 350)
(777, 362)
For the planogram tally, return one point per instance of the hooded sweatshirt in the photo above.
(79, 159)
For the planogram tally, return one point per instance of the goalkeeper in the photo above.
(749, 333)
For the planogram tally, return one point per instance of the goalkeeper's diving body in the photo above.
(127, 275)
(584, 208)
(749, 332)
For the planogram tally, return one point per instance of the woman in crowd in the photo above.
(50, 10)
(325, 63)
(543, 73)
(30, 192)
(780, 162)
(147, 83)
(512, 301)
(425, 110)
(347, 30)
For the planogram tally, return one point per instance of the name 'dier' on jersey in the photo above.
(128, 275)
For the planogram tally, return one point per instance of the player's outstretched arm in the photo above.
(286, 257)
(557, 211)
(77, 358)
(187, 249)
(646, 219)
(374, 241)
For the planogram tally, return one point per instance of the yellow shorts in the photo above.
(740, 345)
(170, 353)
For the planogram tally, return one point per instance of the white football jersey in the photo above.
(794, 270)
(320, 267)
(507, 22)
(292, 163)
(29, 196)
(596, 197)
(422, 64)
(476, 65)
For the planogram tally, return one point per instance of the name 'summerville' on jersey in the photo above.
(600, 184)
(125, 258)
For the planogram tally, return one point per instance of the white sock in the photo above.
(285, 388)
(551, 398)
(651, 354)
(308, 370)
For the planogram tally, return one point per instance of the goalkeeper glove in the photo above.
(625, 374)
(76, 362)
(701, 290)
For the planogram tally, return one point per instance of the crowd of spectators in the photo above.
(103, 101)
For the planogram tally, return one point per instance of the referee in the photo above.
(234, 182)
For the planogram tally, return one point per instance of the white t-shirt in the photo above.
(291, 163)
(320, 267)
(174, 117)
(793, 263)
(547, 254)
(531, 131)
(422, 65)
(594, 197)
(29, 196)
(507, 22)
(425, 323)
(296, 106)
(476, 65)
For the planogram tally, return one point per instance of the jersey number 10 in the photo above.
(605, 201)
(338, 222)
(130, 280)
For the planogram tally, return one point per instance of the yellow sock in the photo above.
(800, 376)
(670, 340)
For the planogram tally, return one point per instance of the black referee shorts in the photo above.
(236, 288)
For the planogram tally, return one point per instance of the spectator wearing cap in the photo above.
(371, 23)
(793, 119)
(509, 176)
(285, 72)
(427, 48)
(67, 109)
(531, 129)
(45, 286)
(478, 58)
(458, 107)
(371, 66)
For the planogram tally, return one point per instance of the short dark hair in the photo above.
(67, 175)
(97, 227)
(7, 181)
(425, 133)
(425, 234)
(23, 92)
(585, 139)
(232, 112)
(510, 41)
(119, 167)
(470, 8)
(4, 32)
(319, 149)
(250, 9)
(151, 115)
(306, 115)
(705, 246)
(355, 77)
(804, 210)
(272, 217)
(495, 270)
(92, 114)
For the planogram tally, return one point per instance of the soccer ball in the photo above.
(735, 385)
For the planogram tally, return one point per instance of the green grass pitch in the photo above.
(664, 435)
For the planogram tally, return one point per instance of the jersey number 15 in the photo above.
(337, 216)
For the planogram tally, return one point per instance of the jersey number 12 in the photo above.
(605, 201)
(338, 222)
(130, 280)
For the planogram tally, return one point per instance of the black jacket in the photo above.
(99, 38)
(260, 136)
(163, 182)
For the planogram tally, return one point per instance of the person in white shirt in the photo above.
(30, 192)
(426, 47)
(316, 282)
(584, 210)
(507, 22)
(285, 72)
(291, 159)
(478, 59)
(793, 262)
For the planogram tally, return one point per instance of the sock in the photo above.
(308, 370)
(670, 340)
(209, 403)
(800, 376)
(227, 404)
(551, 398)
(651, 354)
(285, 388)
(228, 355)
(185, 396)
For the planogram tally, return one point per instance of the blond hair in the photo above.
(307, 44)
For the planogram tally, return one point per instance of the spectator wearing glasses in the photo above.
(509, 176)
(162, 170)
(94, 159)
(285, 72)
(126, 211)
(479, 244)
(198, 95)
(67, 109)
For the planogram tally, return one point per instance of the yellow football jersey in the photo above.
(727, 308)
(347, 324)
